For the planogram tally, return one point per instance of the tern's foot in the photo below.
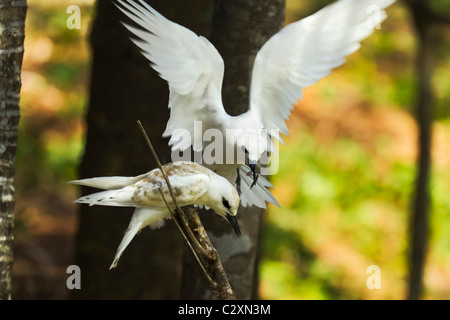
(255, 178)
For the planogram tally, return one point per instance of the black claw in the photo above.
(254, 180)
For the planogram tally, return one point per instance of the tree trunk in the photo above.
(419, 224)
(12, 26)
(240, 28)
(124, 88)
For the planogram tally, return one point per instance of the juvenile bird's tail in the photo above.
(116, 198)
(108, 183)
(141, 218)
(132, 230)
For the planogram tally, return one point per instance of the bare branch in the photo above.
(185, 238)
(221, 286)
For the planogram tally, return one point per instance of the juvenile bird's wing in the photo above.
(146, 193)
(303, 52)
(186, 188)
(189, 63)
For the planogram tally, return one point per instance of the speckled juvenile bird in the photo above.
(192, 184)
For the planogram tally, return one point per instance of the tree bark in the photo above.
(240, 28)
(12, 33)
(124, 88)
(218, 279)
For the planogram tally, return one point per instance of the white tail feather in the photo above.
(141, 218)
(128, 236)
(107, 183)
(118, 198)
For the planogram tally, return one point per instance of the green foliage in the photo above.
(336, 192)
(50, 140)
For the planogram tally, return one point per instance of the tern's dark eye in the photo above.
(225, 203)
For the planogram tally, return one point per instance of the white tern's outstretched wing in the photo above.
(303, 52)
(189, 63)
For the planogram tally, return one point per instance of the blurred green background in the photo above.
(345, 176)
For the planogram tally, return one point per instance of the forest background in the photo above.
(346, 177)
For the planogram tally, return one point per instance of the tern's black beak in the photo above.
(255, 175)
(234, 223)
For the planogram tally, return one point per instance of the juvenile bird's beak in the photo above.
(255, 175)
(234, 223)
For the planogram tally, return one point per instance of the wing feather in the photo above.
(189, 63)
(304, 52)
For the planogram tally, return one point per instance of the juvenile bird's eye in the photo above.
(225, 203)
